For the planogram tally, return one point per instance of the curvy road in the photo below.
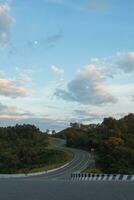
(57, 185)
(81, 160)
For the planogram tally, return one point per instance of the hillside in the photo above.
(24, 148)
(112, 142)
(71, 134)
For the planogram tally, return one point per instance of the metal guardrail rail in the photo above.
(101, 177)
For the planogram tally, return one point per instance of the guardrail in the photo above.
(101, 177)
(33, 174)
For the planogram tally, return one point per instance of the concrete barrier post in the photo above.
(132, 178)
(124, 177)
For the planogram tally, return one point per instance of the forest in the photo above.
(111, 143)
(25, 147)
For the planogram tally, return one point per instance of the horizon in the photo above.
(50, 130)
(65, 61)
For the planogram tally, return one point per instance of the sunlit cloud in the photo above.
(87, 87)
(10, 88)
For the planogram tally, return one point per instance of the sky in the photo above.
(65, 61)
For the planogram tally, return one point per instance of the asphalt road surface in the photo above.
(80, 162)
(58, 185)
(41, 189)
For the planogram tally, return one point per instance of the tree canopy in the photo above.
(112, 140)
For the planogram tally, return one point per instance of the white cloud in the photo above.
(43, 122)
(13, 113)
(25, 79)
(87, 87)
(56, 69)
(11, 88)
(5, 109)
(117, 64)
(6, 21)
(92, 115)
(126, 61)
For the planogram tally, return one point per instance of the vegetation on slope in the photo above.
(112, 141)
(24, 149)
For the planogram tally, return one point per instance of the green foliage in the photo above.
(113, 141)
(93, 170)
(21, 147)
(73, 137)
(24, 149)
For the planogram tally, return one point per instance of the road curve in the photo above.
(81, 160)
(55, 186)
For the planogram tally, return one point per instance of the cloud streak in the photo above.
(11, 112)
(57, 70)
(87, 115)
(6, 21)
(53, 39)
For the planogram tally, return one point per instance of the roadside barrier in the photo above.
(101, 177)
(32, 174)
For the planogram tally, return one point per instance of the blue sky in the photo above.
(65, 60)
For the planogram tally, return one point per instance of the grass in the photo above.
(66, 156)
(52, 142)
(92, 169)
